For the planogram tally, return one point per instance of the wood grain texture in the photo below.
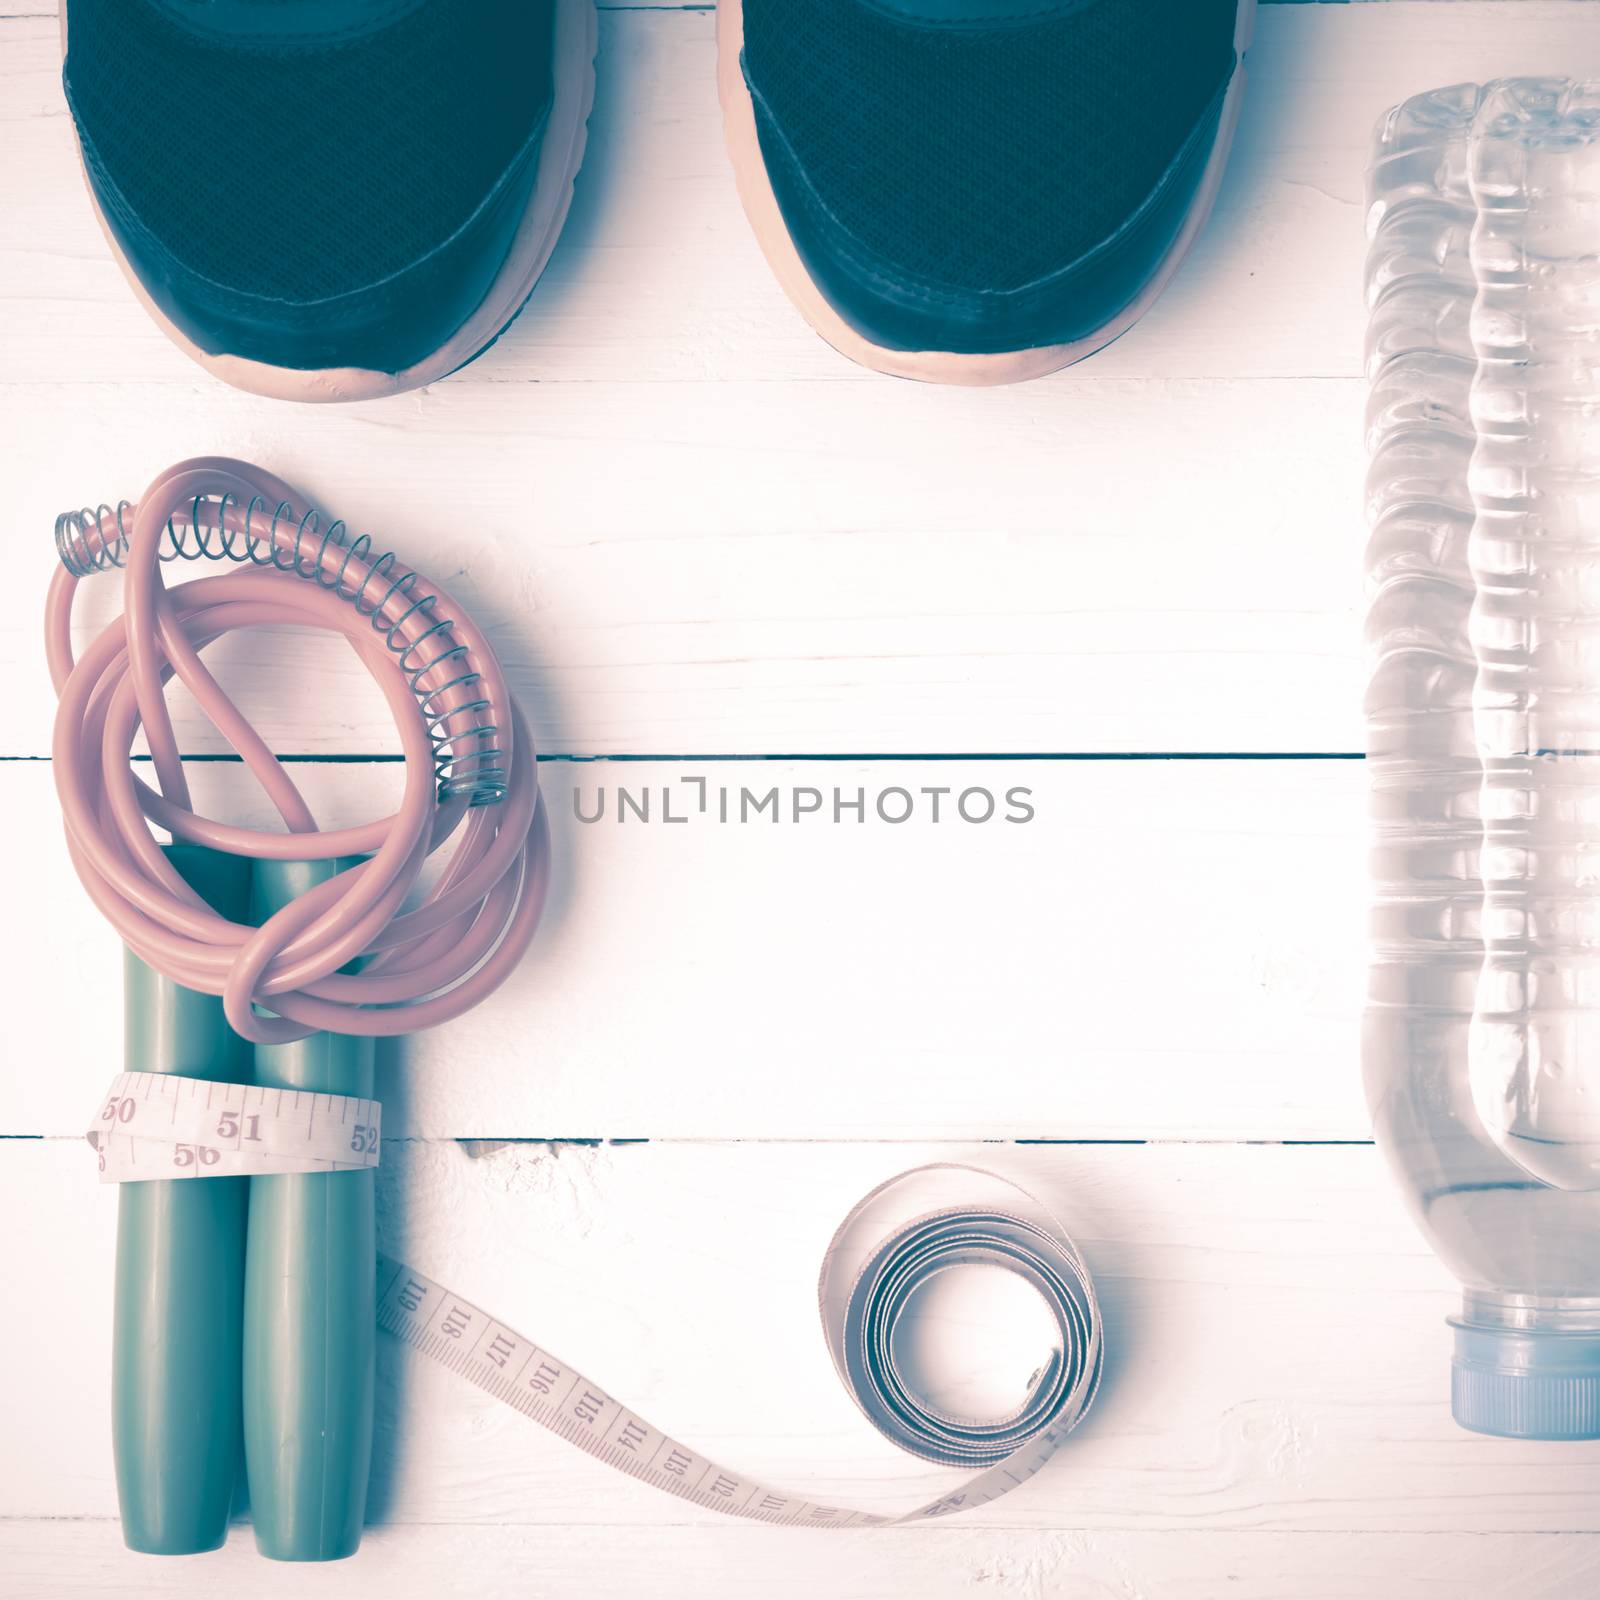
(79, 1560)
(694, 529)
(1168, 950)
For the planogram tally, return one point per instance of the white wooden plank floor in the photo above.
(698, 535)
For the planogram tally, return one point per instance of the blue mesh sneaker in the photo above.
(331, 199)
(969, 191)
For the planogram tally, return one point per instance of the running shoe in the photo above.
(968, 191)
(330, 199)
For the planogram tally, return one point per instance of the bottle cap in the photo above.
(1526, 1383)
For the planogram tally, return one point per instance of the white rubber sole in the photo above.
(560, 156)
(938, 366)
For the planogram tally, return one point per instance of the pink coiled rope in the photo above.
(445, 688)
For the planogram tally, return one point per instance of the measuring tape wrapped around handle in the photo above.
(162, 1125)
(904, 1233)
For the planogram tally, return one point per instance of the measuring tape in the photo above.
(893, 1242)
(163, 1125)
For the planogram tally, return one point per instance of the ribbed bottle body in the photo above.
(1512, 1239)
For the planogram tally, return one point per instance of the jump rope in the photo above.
(261, 967)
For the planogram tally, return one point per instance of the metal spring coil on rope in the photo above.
(94, 540)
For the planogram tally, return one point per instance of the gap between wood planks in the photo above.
(391, 758)
(484, 1144)
(35, 13)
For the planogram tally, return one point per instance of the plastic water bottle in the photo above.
(1484, 725)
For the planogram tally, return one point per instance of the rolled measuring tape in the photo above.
(894, 1241)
